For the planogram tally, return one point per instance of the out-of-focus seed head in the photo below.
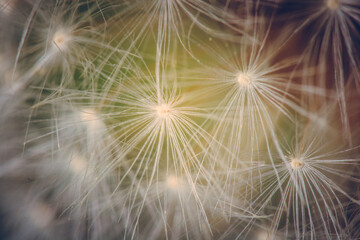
(333, 4)
(173, 183)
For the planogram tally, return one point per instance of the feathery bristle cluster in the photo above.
(179, 119)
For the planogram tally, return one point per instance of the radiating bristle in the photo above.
(179, 119)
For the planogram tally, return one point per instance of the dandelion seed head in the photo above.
(296, 163)
(333, 4)
(245, 79)
(41, 214)
(163, 110)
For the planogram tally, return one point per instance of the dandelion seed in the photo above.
(53, 42)
(308, 193)
(137, 129)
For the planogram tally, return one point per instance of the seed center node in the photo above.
(163, 110)
(61, 40)
(244, 79)
(296, 163)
